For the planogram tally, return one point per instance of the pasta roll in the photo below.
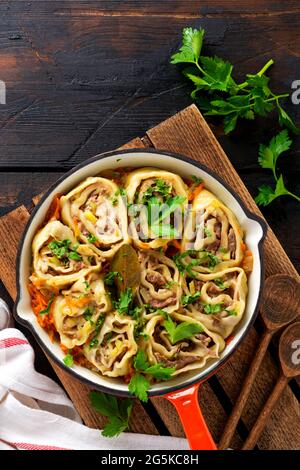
(184, 355)
(213, 233)
(222, 299)
(97, 214)
(76, 312)
(159, 287)
(115, 346)
(157, 201)
(58, 260)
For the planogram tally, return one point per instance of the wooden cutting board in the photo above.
(188, 133)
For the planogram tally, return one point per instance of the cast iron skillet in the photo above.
(182, 391)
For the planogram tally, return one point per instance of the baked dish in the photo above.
(140, 275)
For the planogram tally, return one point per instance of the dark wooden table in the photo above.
(84, 77)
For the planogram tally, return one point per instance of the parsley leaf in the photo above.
(196, 180)
(118, 411)
(184, 330)
(122, 305)
(62, 250)
(91, 238)
(47, 309)
(68, 360)
(190, 298)
(88, 313)
(139, 387)
(94, 340)
(210, 309)
(111, 276)
(268, 154)
(192, 40)
(266, 194)
(220, 284)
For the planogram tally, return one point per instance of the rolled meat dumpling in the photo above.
(58, 260)
(97, 213)
(212, 235)
(185, 354)
(157, 200)
(159, 286)
(78, 311)
(113, 348)
(217, 300)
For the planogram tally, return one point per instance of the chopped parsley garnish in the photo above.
(87, 285)
(139, 384)
(47, 309)
(62, 250)
(91, 238)
(190, 298)
(94, 341)
(210, 309)
(88, 313)
(207, 232)
(111, 276)
(220, 284)
(69, 360)
(196, 180)
(203, 258)
(181, 331)
(123, 304)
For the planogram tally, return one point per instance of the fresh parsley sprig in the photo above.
(139, 384)
(224, 96)
(268, 156)
(181, 331)
(118, 411)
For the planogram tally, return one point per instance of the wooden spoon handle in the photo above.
(265, 413)
(244, 393)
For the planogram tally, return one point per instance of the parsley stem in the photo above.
(260, 73)
(265, 67)
(293, 195)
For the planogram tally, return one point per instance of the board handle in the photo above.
(196, 430)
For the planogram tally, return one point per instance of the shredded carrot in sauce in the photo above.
(196, 192)
(54, 211)
(243, 246)
(39, 302)
(247, 262)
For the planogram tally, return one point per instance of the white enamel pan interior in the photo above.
(254, 227)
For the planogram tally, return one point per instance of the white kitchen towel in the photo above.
(36, 414)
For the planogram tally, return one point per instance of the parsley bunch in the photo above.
(268, 156)
(224, 96)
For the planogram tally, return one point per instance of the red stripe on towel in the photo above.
(27, 446)
(9, 342)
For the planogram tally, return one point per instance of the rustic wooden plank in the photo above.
(77, 86)
(189, 134)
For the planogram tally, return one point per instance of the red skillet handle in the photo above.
(187, 406)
